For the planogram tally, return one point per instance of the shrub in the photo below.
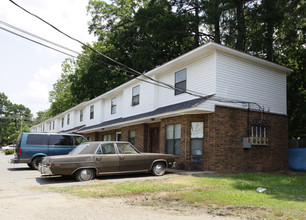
(8, 152)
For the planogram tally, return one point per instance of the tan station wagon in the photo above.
(105, 158)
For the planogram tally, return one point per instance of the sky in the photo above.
(28, 70)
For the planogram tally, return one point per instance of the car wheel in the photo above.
(35, 162)
(158, 169)
(84, 175)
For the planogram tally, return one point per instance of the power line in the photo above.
(52, 48)
(193, 93)
(38, 37)
(19, 35)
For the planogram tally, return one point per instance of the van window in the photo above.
(37, 139)
(60, 140)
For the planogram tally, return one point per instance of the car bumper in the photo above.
(14, 160)
(45, 170)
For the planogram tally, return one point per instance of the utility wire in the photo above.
(135, 71)
(38, 37)
(80, 58)
(19, 35)
(105, 56)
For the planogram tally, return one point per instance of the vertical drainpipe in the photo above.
(186, 143)
(248, 121)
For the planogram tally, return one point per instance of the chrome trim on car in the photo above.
(44, 170)
(159, 160)
(121, 172)
(85, 167)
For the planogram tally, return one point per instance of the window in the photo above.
(53, 125)
(62, 122)
(197, 135)
(113, 105)
(81, 115)
(135, 95)
(108, 149)
(107, 137)
(68, 119)
(173, 139)
(118, 136)
(92, 111)
(132, 137)
(60, 140)
(37, 139)
(180, 81)
(125, 148)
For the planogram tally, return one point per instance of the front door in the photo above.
(154, 140)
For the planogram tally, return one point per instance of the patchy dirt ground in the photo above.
(22, 198)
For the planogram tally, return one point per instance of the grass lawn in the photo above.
(285, 197)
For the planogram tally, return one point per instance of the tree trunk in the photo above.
(240, 44)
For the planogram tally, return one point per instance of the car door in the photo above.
(106, 159)
(130, 159)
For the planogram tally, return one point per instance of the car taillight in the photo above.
(19, 151)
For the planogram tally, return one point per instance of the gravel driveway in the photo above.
(22, 196)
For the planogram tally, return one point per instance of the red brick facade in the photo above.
(223, 141)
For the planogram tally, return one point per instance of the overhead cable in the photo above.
(193, 93)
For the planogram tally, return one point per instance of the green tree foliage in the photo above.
(61, 97)
(147, 33)
(290, 50)
(14, 118)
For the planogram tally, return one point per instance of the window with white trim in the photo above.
(107, 137)
(173, 139)
(132, 135)
(68, 119)
(81, 115)
(197, 138)
(135, 95)
(180, 81)
(92, 112)
(113, 105)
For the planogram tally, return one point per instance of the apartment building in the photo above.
(229, 113)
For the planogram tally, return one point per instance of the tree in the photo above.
(61, 97)
(14, 118)
(290, 51)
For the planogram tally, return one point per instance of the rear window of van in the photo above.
(37, 139)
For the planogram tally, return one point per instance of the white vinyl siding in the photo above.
(200, 78)
(238, 79)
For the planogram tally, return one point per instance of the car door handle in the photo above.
(121, 158)
(98, 159)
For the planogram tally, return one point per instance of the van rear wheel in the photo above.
(35, 162)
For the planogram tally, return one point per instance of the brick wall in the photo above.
(223, 141)
(228, 126)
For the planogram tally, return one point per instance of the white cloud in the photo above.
(27, 70)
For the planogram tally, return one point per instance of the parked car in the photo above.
(9, 147)
(32, 147)
(105, 158)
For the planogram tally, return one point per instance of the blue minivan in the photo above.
(32, 147)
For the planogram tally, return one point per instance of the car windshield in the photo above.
(126, 148)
